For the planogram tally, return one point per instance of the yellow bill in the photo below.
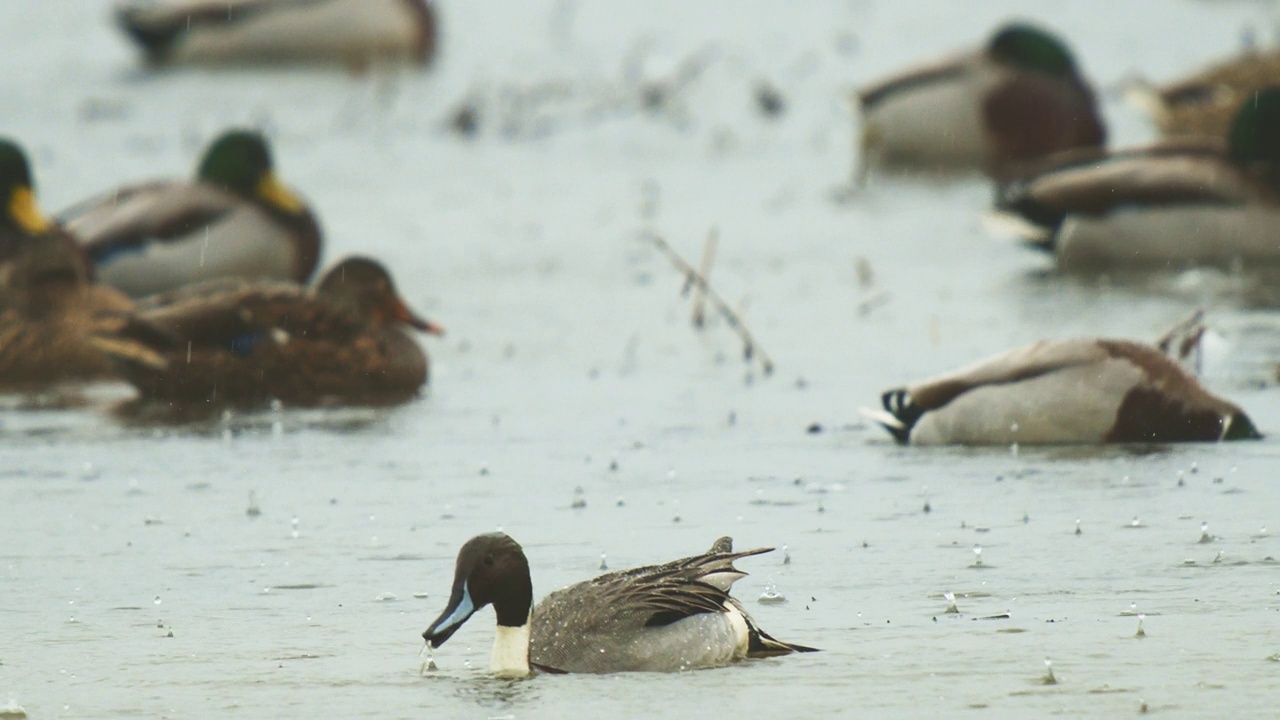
(24, 211)
(273, 191)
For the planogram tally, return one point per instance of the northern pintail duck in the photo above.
(1169, 206)
(243, 343)
(221, 32)
(670, 617)
(1205, 103)
(1081, 391)
(236, 219)
(1019, 98)
(20, 216)
(49, 313)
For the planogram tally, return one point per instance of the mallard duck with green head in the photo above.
(1165, 207)
(236, 219)
(20, 216)
(1019, 98)
(235, 342)
(223, 32)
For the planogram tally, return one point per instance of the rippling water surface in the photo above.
(137, 583)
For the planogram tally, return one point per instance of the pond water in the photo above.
(285, 562)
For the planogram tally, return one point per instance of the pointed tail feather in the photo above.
(761, 644)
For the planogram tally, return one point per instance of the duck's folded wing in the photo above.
(948, 68)
(1015, 365)
(133, 217)
(231, 315)
(157, 26)
(1146, 178)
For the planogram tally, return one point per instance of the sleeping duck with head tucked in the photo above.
(658, 618)
(246, 343)
(236, 219)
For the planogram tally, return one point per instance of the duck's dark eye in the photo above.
(488, 560)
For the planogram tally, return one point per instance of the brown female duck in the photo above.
(1204, 104)
(240, 343)
(50, 311)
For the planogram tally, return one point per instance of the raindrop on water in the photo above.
(771, 596)
(1205, 537)
(1048, 678)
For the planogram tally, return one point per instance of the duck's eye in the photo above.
(488, 560)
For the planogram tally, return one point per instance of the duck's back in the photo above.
(155, 237)
(585, 629)
(249, 342)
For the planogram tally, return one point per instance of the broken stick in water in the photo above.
(696, 280)
(700, 297)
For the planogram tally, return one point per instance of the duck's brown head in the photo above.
(364, 287)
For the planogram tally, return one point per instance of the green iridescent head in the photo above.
(1026, 47)
(1255, 133)
(240, 161)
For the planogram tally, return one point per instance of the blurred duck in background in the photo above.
(235, 342)
(1065, 392)
(20, 218)
(266, 32)
(997, 109)
(236, 219)
(1205, 103)
(50, 311)
(1165, 207)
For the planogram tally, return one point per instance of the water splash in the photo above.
(771, 596)
(1205, 537)
(1049, 678)
(428, 662)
